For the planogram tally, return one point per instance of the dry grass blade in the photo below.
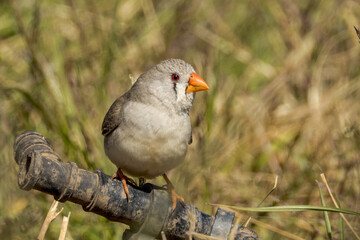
(276, 230)
(64, 226)
(163, 236)
(267, 195)
(52, 214)
(337, 206)
(198, 236)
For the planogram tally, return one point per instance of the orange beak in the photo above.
(196, 83)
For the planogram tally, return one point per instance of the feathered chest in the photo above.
(148, 123)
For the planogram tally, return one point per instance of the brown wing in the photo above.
(112, 117)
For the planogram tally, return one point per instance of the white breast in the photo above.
(148, 141)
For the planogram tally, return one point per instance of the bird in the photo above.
(147, 130)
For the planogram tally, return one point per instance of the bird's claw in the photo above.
(123, 178)
(174, 195)
(174, 198)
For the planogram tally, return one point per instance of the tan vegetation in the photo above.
(284, 100)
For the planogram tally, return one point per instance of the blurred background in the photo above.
(284, 100)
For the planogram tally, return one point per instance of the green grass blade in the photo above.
(293, 208)
(326, 214)
(342, 229)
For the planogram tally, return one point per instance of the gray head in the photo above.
(172, 82)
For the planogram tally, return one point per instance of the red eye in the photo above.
(175, 77)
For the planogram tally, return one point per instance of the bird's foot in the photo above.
(174, 195)
(123, 178)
